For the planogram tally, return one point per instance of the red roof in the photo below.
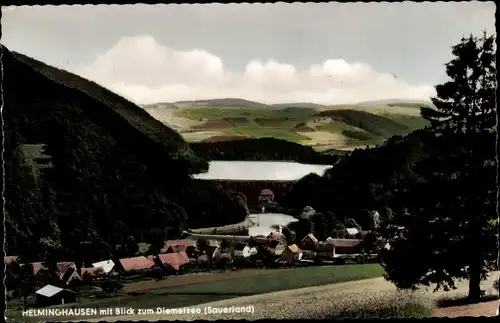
(224, 256)
(174, 260)
(37, 266)
(178, 245)
(137, 263)
(10, 259)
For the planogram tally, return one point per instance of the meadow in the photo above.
(323, 128)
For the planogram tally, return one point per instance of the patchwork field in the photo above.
(323, 127)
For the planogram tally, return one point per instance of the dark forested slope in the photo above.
(110, 174)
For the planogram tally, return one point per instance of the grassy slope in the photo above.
(193, 294)
(357, 125)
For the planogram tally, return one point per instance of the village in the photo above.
(197, 253)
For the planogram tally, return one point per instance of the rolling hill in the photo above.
(322, 127)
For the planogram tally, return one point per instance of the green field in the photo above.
(193, 294)
(357, 125)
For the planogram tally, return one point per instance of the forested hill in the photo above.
(88, 169)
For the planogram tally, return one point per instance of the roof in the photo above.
(174, 260)
(37, 266)
(224, 256)
(10, 259)
(274, 235)
(64, 266)
(352, 231)
(182, 242)
(50, 290)
(106, 265)
(312, 237)
(293, 248)
(260, 170)
(325, 246)
(137, 263)
(213, 243)
(346, 242)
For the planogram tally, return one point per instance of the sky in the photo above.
(326, 53)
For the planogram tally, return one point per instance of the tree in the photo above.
(26, 283)
(156, 239)
(449, 229)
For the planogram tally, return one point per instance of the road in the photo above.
(305, 302)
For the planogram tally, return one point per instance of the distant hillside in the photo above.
(296, 105)
(86, 167)
(161, 105)
(397, 102)
(324, 128)
(220, 103)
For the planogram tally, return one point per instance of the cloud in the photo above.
(144, 71)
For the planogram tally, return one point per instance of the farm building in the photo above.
(309, 242)
(291, 254)
(10, 259)
(63, 267)
(174, 260)
(134, 264)
(186, 245)
(71, 276)
(52, 295)
(106, 265)
(346, 246)
(243, 250)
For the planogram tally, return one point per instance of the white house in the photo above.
(244, 251)
(106, 265)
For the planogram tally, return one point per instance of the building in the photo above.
(184, 245)
(243, 251)
(291, 254)
(252, 177)
(106, 265)
(134, 264)
(266, 197)
(10, 259)
(52, 295)
(345, 246)
(173, 260)
(309, 242)
(71, 277)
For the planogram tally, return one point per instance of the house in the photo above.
(291, 254)
(242, 250)
(134, 264)
(346, 246)
(37, 266)
(52, 295)
(174, 260)
(10, 259)
(275, 236)
(63, 267)
(275, 247)
(326, 249)
(106, 265)
(309, 242)
(71, 276)
(172, 246)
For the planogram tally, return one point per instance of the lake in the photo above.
(260, 170)
(266, 221)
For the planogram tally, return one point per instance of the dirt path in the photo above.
(481, 309)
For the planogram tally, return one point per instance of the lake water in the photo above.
(260, 170)
(266, 221)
